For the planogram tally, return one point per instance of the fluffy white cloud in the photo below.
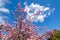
(36, 12)
(2, 4)
(1, 20)
(3, 9)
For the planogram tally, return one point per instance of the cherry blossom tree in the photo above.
(23, 30)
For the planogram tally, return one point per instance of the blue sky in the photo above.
(52, 21)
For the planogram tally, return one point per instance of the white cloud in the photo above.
(36, 12)
(2, 4)
(25, 3)
(1, 20)
(5, 10)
